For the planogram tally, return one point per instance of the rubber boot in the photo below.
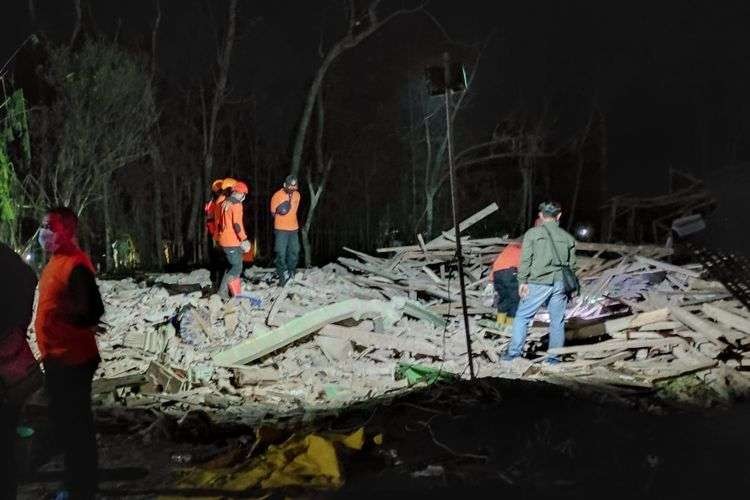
(500, 320)
(235, 287)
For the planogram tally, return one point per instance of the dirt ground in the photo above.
(490, 439)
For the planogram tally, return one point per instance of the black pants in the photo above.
(232, 268)
(69, 393)
(506, 287)
(8, 468)
(217, 263)
(286, 247)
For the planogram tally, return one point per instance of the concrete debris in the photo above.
(337, 334)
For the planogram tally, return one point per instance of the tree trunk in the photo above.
(347, 42)
(158, 216)
(107, 214)
(224, 58)
(78, 21)
(429, 211)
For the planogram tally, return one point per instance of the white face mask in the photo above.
(47, 240)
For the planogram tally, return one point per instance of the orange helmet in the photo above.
(240, 187)
(216, 185)
(228, 183)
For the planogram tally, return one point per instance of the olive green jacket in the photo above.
(538, 262)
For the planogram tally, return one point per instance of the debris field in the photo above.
(371, 326)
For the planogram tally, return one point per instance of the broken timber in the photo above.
(262, 345)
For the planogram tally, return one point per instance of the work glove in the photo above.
(246, 246)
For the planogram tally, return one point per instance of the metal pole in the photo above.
(454, 206)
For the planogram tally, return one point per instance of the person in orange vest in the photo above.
(504, 279)
(284, 205)
(68, 311)
(20, 375)
(216, 254)
(233, 240)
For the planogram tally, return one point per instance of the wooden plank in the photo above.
(711, 331)
(103, 385)
(380, 340)
(359, 266)
(302, 326)
(366, 257)
(434, 277)
(667, 267)
(727, 318)
(467, 223)
(618, 345)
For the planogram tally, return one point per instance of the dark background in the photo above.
(671, 77)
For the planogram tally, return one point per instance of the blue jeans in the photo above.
(553, 296)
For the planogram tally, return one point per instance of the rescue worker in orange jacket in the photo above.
(233, 240)
(284, 205)
(68, 311)
(504, 279)
(216, 254)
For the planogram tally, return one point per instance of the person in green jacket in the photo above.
(540, 279)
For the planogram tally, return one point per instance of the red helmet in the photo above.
(240, 187)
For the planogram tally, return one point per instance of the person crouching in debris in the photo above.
(504, 279)
(233, 240)
(284, 205)
(68, 311)
(216, 254)
(548, 258)
(20, 375)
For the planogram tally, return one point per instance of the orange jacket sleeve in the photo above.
(276, 200)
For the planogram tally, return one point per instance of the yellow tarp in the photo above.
(309, 461)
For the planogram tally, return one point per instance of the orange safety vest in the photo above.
(56, 337)
(209, 210)
(231, 228)
(289, 221)
(509, 257)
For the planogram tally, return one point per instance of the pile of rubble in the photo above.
(370, 326)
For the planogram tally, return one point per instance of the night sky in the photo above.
(672, 77)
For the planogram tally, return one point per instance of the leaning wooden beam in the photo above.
(262, 345)
(380, 340)
(466, 224)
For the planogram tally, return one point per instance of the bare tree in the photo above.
(360, 28)
(316, 188)
(210, 116)
(156, 160)
(107, 111)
